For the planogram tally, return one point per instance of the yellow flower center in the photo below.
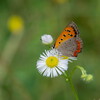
(52, 61)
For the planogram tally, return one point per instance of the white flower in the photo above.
(52, 64)
(46, 39)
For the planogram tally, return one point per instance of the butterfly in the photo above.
(69, 42)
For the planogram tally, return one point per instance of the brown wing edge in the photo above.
(74, 26)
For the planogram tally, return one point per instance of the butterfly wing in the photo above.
(71, 47)
(69, 42)
(79, 45)
(69, 32)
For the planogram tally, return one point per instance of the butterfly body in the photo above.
(69, 42)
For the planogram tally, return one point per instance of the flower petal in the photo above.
(54, 72)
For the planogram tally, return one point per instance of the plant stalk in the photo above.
(71, 85)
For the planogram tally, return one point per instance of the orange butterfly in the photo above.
(69, 43)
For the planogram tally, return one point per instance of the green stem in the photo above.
(73, 89)
(71, 85)
(73, 70)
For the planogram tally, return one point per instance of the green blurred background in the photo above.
(20, 80)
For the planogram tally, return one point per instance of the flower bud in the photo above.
(46, 39)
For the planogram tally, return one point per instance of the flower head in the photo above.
(46, 39)
(52, 64)
(15, 24)
(85, 76)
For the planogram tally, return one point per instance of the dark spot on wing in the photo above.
(61, 39)
(68, 30)
(75, 31)
(75, 36)
(64, 35)
(70, 35)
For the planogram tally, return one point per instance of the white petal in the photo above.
(43, 57)
(63, 62)
(47, 72)
(63, 66)
(72, 58)
(60, 68)
(40, 63)
(42, 69)
(58, 71)
(51, 73)
(54, 73)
